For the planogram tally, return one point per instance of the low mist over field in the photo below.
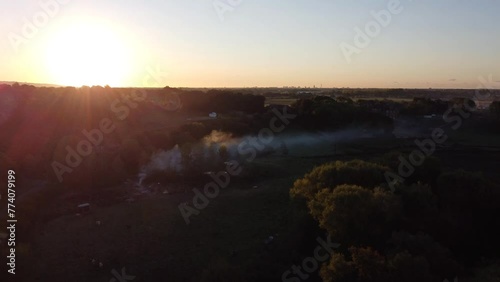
(208, 150)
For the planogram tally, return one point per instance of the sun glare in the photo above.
(88, 54)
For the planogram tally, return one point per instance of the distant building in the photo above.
(429, 116)
(84, 208)
(213, 115)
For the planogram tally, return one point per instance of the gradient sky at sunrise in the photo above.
(431, 43)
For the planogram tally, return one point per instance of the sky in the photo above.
(251, 43)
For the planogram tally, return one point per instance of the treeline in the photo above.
(326, 113)
(342, 109)
(221, 101)
(444, 94)
(39, 123)
(433, 227)
(374, 93)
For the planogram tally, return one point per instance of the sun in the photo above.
(88, 54)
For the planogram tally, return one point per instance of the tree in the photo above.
(366, 265)
(463, 103)
(420, 207)
(330, 175)
(338, 269)
(469, 208)
(440, 259)
(303, 106)
(495, 109)
(426, 173)
(371, 266)
(406, 267)
(356, 215)
(196, 129)
(463, 191)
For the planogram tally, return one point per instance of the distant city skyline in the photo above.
(220, 43)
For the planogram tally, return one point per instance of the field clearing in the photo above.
(150, 238)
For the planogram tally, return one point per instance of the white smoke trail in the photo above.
(207, 151)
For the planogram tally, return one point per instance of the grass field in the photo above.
(151, 239)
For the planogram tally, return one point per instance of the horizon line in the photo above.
(50, 85)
